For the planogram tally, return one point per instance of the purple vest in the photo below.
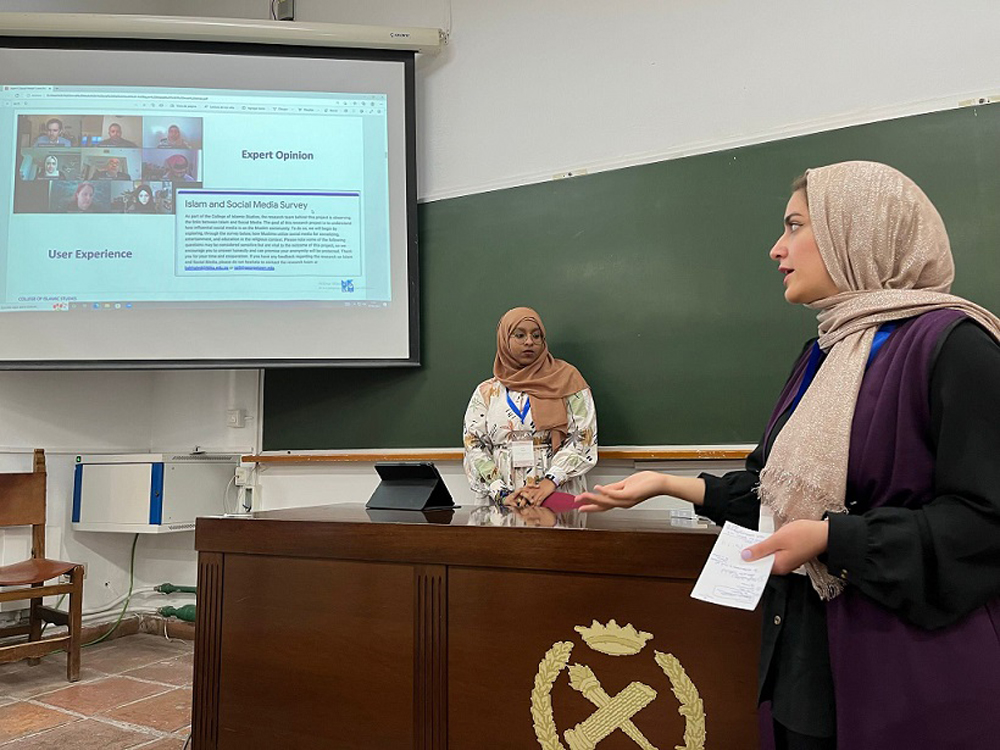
(896, 685)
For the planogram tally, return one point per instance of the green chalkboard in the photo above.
(653, 280)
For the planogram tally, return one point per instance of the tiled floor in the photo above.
(134, 692)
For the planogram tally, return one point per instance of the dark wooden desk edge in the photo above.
(657, 554)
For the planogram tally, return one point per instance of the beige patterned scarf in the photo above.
(887, 250)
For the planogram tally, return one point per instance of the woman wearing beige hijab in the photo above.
(880, 471)
(532, 427)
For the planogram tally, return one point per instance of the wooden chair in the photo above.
(22, 503)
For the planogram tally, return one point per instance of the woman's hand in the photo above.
(531, 493)
(792, 544)
(623, 494)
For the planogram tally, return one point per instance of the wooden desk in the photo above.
(320, 628)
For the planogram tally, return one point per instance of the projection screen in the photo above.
(184, 204)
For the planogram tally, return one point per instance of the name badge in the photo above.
(522, 453)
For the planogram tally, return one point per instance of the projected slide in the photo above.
(143, 196)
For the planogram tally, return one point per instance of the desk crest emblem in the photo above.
(612, 712)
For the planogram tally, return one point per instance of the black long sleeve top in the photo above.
(930, 565)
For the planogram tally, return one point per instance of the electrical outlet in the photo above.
(247, 499)
(980, 101)
(236, 417)
(243, 475)
(285, 10)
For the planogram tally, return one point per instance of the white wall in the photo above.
(525, 89)
(528, 89)
(116, 412)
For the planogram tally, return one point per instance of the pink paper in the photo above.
(560, 502)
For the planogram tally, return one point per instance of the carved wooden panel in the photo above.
(430, 670)
(207, 649)
(520, 672)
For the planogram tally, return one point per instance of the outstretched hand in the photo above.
(792, 544)
(623, 494)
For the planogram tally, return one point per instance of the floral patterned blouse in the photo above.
(492, 425)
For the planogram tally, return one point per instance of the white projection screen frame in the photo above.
(179, 204)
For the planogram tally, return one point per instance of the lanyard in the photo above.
(880, 336)
(521, 413)
(816, 354)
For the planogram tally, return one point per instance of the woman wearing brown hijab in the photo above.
(532, 427)
(879, 471)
